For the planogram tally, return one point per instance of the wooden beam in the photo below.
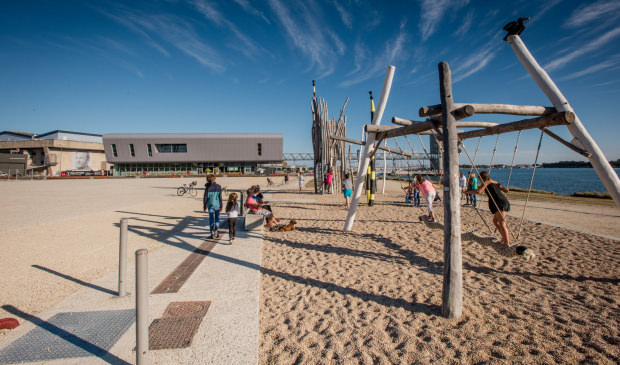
(452, 293)
(462, 112)
(349, 140)
(540, 122)
(579, 150)
(467, 124)
(531, 110)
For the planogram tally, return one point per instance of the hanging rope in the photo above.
(529, 190)
(476, 208)
(475, 154)
(513, 158)
(493, 155)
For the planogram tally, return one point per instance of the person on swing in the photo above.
(498, 204)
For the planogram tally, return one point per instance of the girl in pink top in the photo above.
(329, 179)
(428, 190)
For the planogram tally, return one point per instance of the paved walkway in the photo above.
(94, 326)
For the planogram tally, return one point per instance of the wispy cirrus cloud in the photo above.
(477, 61)
(585, 48)
(315, 40)
(172, 30)
(591, 69)
(432, 11)
(467, 22)
(394, 49)
(601, 10)
(245, 5)
(247, 46)
(344, 15)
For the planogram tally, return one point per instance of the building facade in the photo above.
(56, 152)
(153, 154)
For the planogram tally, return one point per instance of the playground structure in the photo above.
(328, 153)
(444, 119)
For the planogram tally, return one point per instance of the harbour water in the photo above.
(557, 180)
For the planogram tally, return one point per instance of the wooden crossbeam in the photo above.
(349, 140)
(531, 110)
(533, 123)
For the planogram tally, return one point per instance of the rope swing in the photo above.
(490, 241)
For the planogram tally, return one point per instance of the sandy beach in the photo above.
(372, 295)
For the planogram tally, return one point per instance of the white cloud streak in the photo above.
(588, 47)
(474, 63)
(432, 11)
(344, 15)
(245, 5)
(590, 13)
(592, 69)
(173, 30)
(310, 37)
(393, 50)
(247, 46)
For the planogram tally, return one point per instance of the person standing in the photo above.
(232, 208)
(212, 203)
(473, 185)
(347, 189)
(498, 204)
(300, 178)
(428, 190)
(463, 186)
(329, 179)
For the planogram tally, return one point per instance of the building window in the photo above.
(260, 149)
(114, 151)
(171, 148)
(132, 152)
(149, 150)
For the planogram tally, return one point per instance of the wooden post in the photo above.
(602, 167)
(368, 150)
(452, 294)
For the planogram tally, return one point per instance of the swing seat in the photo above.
(512, 251)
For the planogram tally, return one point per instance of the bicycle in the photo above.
(188, 188)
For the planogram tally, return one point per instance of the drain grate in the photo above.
(178, 325)
(173, 282)
(70, 335)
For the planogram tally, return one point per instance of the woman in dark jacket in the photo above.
(498, 204)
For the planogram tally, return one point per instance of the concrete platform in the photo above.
(228, 277)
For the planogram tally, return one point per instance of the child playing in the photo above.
(347, 189)
(408, 192)
(428, 190)
(232, 208)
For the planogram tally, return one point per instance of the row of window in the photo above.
(168, 148)
(191, 168)
(161, 148)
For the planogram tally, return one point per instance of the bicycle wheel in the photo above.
(180, 191)
(192, 191)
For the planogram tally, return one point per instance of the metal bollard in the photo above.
(122, 259)
(142, 307)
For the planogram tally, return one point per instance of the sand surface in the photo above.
(372, 295)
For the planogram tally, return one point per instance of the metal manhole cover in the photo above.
(178, 325)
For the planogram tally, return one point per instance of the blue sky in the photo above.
(247, 66)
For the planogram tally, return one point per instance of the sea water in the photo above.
(557, 180)
(554, 180)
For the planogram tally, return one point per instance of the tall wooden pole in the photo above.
(602, 167)
(368, 150)
(452, 294)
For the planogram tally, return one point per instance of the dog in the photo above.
(289, 227)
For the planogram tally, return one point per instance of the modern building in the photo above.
(244, 153)
(56, 152)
